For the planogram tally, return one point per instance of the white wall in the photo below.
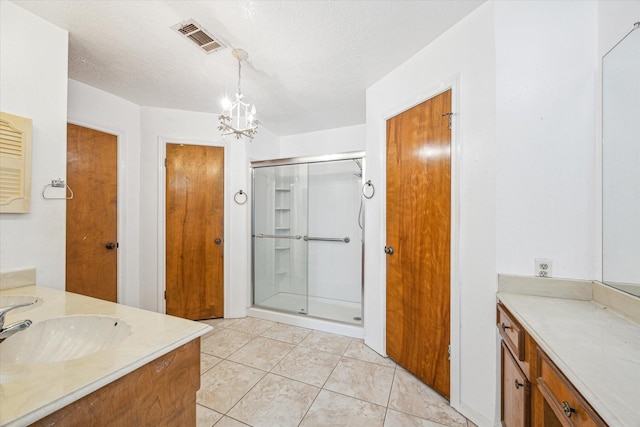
(330, 141)
(96, 109)
(464, 54)
(265, 146)
(33, 84)
(546, 67)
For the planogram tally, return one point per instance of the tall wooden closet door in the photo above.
(419, 231)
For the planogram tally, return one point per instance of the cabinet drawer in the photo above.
(511, 332)
(566, 402)
(515, 389)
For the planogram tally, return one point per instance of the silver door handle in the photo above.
(388, 250)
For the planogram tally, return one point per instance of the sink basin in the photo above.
(7, 300)
(63, 338)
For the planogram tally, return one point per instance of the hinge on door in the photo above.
(165, 295)
(449, 352)
(450, 115)
(165, 159)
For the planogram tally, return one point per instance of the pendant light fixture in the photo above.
(239, 117)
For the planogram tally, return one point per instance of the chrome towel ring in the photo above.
(67, 197)
(240, 194)
(364, 191)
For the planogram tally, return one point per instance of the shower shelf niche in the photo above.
(282, 226)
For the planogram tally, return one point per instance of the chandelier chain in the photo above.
(239, 74)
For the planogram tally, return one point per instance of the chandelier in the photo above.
(238, 118)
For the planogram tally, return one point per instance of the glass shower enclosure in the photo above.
(307, 232)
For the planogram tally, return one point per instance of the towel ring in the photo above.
(44, 190)
(364, 192)
(240, 194)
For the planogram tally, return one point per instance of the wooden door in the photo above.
(194, 231)
(418, 230)
(92, 230)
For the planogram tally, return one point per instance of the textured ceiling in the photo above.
(310, 62)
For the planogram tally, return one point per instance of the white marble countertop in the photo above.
(37, 390)
(596, 349)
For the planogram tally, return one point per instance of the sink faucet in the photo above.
(14, 327)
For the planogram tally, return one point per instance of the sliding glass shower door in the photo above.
(279, 223)
(307, 237)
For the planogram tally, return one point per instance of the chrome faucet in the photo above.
(14, 327)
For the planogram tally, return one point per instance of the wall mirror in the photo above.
(621, 164)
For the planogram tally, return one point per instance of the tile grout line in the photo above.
(323, 384)
(231, 361)
(321, 388)
(386, 412)
(266, 372)
(242, 364)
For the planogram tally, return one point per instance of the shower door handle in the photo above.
(388, 250)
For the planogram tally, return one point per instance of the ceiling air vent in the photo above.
(198, 35)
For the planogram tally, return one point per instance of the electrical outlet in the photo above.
(543, 267)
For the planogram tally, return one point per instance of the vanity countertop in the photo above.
(597, 350)
(30, 392)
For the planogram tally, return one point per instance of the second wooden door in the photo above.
(92, 230)
(194, 231)
(418, 230)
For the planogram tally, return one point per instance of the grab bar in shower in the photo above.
(328, 239)
(274, 236)
(306, 238)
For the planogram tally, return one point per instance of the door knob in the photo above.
(218, 241)
(111, 245)
(388, 250)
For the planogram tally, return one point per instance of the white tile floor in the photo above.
(261, 373)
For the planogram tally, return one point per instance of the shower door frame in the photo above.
(351, 155)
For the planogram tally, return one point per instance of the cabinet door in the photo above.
(515, 392)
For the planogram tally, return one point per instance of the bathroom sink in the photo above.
(63, 338)
(7, 300)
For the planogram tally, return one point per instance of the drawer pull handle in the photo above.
(505, 327)
(518, 385)
(568, 410)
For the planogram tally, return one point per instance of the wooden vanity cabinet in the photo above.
(561, 397)
(534, 392)
(160, 393)
(515, 356)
